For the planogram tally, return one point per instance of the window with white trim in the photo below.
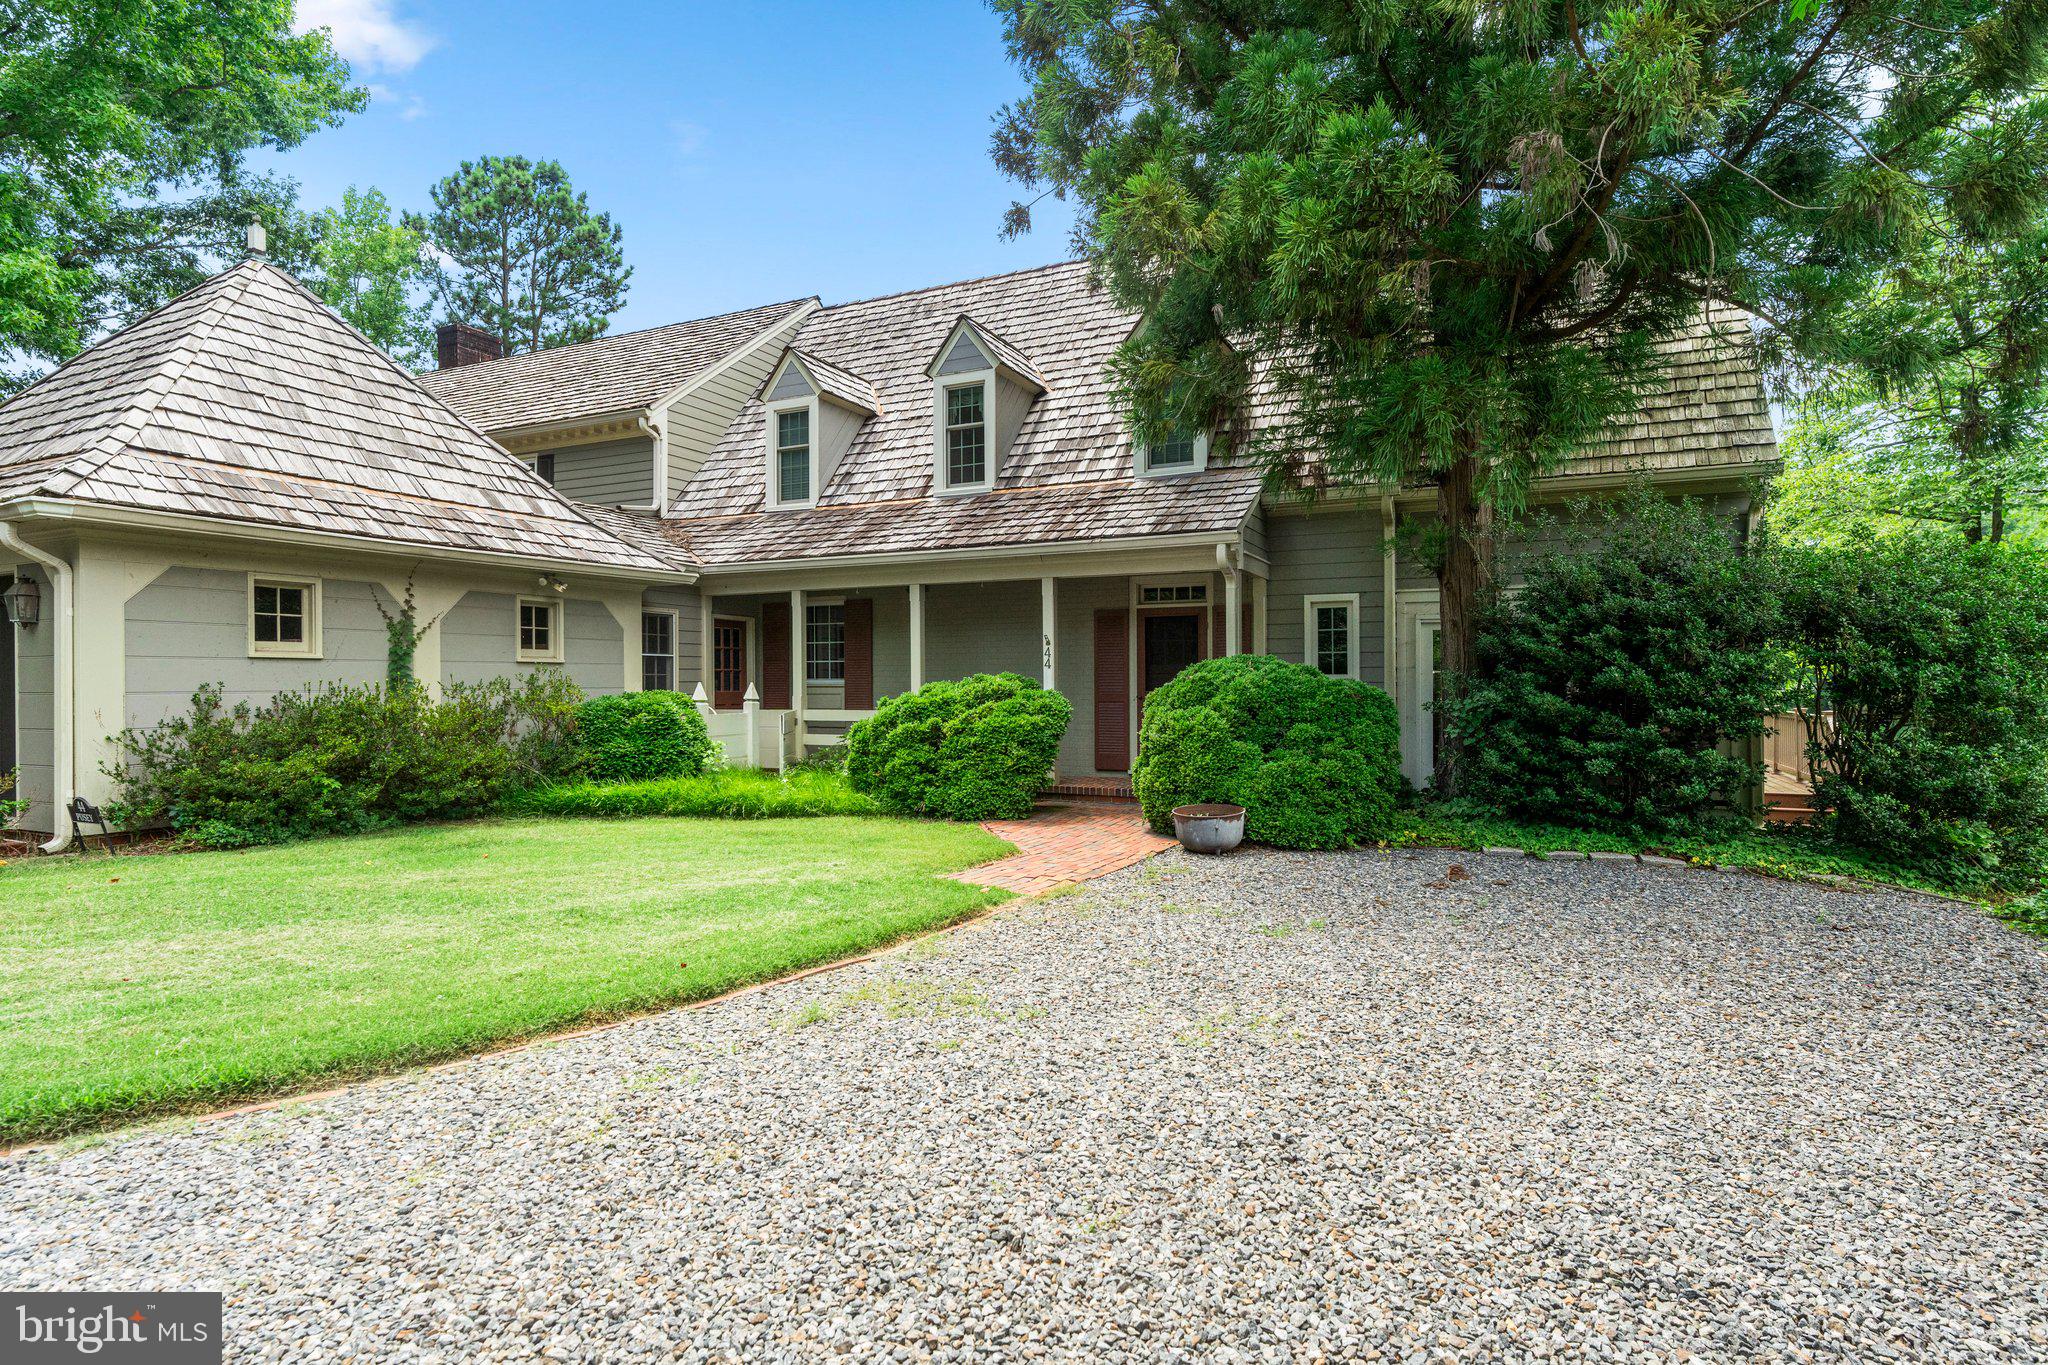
(539, 637)
(967, 435)
(284, 617)
(793, 455)
(1167, 593)
(825, 643)
(1183, 453)
(1330, 634)
(658, 651)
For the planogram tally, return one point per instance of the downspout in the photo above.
(61, 698)
(658, 435)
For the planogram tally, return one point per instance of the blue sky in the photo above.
(751, 152)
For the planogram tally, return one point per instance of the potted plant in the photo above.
(1209, 827)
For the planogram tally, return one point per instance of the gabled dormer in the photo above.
(814, 409)
(982, 388)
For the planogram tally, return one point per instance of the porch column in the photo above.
(1233, 611)
(799, 639)
(1258, 642)
(1048, 627)
(707, 679)
(916, 636)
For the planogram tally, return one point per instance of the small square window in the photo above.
(284, 617)
(825, 643)
(540, 631)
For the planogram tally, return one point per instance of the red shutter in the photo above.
(775, 656)
(860, 653)
(1245, 643)
(1112, 691)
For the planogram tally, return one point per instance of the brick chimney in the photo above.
(458, 343)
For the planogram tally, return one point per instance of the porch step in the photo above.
(1095, 788)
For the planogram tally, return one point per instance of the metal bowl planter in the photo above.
(1211, 827)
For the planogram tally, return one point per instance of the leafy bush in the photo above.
(1640, 643)
(1315, 761)
(636, 736)
(338, 759)
(730, 794)
(1926, 689)
(976, 749)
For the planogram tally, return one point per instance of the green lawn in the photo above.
(145, 984)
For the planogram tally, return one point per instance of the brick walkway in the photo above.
(1067, 841)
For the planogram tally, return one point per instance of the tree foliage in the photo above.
(1452, 234)
(521, 254)
(124, 125)
(369, 268)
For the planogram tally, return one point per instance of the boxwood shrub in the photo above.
(640, 736)
(1315, 761)
(977, 749)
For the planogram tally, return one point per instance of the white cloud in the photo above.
(366, 33)
(408, 105)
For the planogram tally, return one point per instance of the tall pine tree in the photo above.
(1457, 230)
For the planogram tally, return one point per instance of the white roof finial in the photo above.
(259, 244)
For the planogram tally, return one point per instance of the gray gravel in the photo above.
(1267, 1107)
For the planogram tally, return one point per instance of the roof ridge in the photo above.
(956, 284)
(172, 372)
(790, 304)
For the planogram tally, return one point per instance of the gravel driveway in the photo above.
(1270, 1107)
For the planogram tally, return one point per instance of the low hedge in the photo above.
(1315, 761)
(730, 794)
(636, 736)
(977, 749)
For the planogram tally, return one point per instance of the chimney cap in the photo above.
(259, 242)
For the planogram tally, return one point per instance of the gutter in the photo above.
(1031, 549)
(62, 700)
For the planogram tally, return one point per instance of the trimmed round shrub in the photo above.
(1315, 761)
(977, 749)
(635, 736)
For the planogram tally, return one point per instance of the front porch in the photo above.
(808, 660)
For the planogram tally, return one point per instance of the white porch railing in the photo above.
(750, 736)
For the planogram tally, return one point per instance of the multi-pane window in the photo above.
(793, 456)
(966, 435)
(1173, 592)
(281, 617)
(658, 651)
(825, 643)
(539, 631)
(1176, 453)
(1331, 638)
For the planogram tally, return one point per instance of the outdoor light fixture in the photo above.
(24, 602)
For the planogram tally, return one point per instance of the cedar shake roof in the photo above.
(996, 347)
(248, 400)
(842, 386)
(1710, 410)
(611, 374)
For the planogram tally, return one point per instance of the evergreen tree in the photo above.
(1452, 233)
(521, 254)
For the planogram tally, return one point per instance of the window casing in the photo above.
(1186, 453)
(1330, 634)
(792, 471)
(284, 617)
(825, 642)
(658, 651)
(966, 452)
(537, 635)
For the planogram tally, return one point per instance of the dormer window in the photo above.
(967, 435)
(1182, 453)
(793, 455)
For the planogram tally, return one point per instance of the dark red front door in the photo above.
(728, 663)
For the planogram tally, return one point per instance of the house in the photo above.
(823, 505)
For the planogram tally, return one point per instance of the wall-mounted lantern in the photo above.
(24, 602)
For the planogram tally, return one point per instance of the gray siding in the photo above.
(892, 641)
(190, 627)
(35, 713)
(687, 604)
(698, 420)
(611, 474)
(1013, 405)
(1327, 551)
(836, 430)
(792, 384)
(1255, 533)
(981, 628)
(478, 643)
(965, 358)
